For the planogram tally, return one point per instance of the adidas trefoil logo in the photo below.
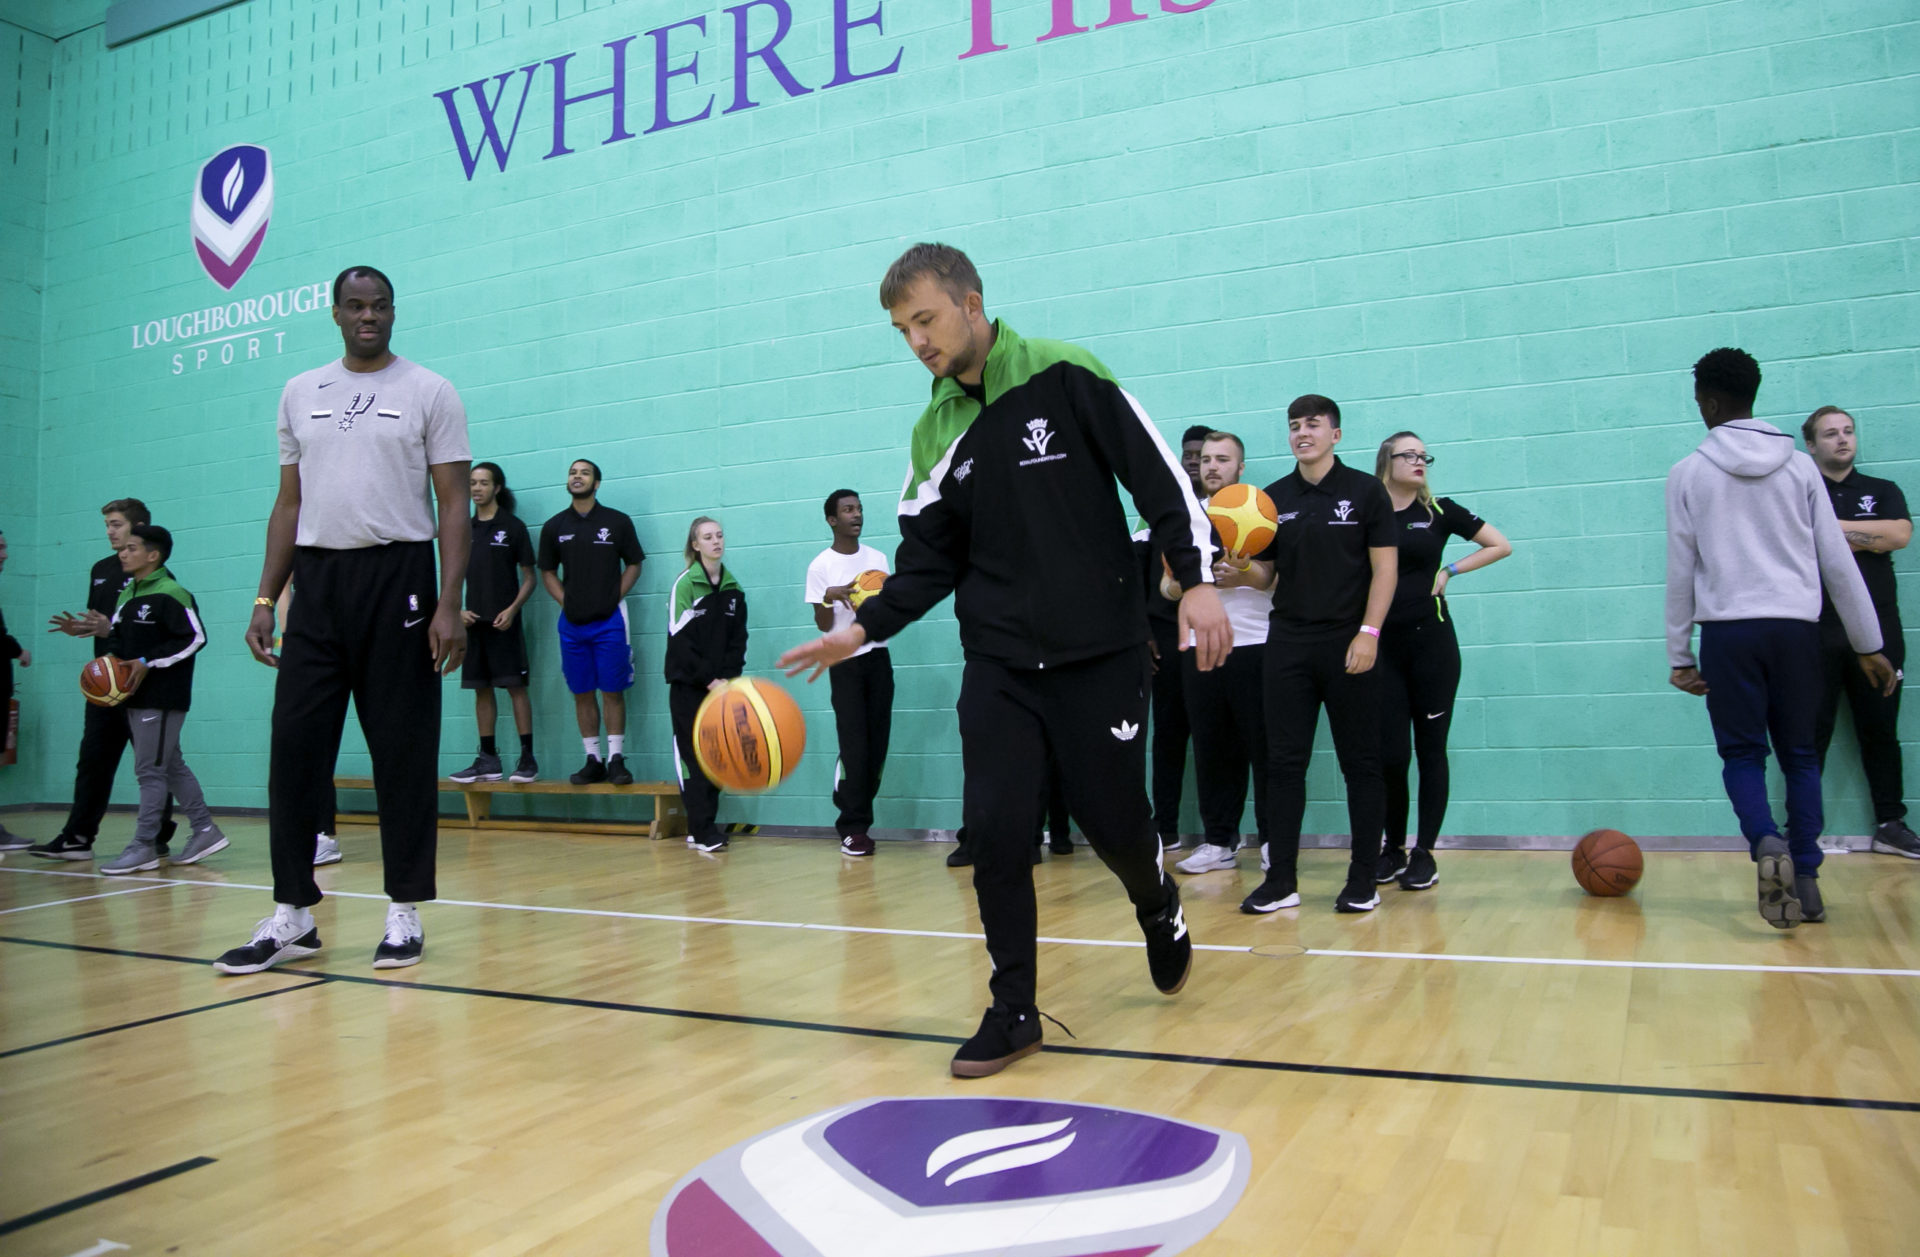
(1125, 731)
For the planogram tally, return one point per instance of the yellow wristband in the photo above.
(263, 602)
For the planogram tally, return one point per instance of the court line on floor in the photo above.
(26, 1220)
(54, 903)
(148, 1021)
(1125, 1054)
(1835, 971)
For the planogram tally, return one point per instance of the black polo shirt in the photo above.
(1423, 537)
(588, 551)
(501, 547)
(1319, 551)
(1870, 500)
(104, 584)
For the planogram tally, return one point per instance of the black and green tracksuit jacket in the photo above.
(1010, 506)
(157, 621)
(706, 627)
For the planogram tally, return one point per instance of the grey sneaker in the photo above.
(1807, 889)
(1894, 838)
(326, 850)
(10, 841)
(200, 846)
(139, 857)
(1774, 868)
(528, 769)
(484, 768)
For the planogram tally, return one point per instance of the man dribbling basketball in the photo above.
(1009, 505)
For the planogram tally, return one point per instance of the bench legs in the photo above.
(479, 807)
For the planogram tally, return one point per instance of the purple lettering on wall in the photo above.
(663, 75)
(489, 112)
(843, 71)
(618, 91)
(766, 52)
(982, 26)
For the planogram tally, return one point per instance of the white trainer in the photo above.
(1206, 858)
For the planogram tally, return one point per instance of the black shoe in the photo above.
(617, 774)
(1894, 838)
(1359, 894)
(273, 942)
(1061, 844)
(526, 770)
(1420, 872)
(1005, 1035)
(1807, 890)
(591, 771)
(960, 857)
(484, 767)
(1169, 946)
(63, 846)
(1389, 864)
(1773, 868)
(1276, 892)
(404, 940)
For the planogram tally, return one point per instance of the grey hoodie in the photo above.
(1751, 535)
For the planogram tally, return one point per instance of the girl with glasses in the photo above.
(1419, 654)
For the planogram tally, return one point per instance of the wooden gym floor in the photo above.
(595, 1016)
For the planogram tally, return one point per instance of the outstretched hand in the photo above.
(823, 652)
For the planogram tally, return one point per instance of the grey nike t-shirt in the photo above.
(363, 443)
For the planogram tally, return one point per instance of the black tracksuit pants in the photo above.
(863, 718)
(699, 796)
(1301, 677)
(1876, 717)
(1170, 731)
(358, 630)
(103, 739)
(1091, 715)
(1419, 667)
(1226, 709)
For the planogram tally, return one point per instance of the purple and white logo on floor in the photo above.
(942, 1177)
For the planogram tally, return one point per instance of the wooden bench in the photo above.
(669, 818)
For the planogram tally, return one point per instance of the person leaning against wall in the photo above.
(1873, 517)
(706, 647)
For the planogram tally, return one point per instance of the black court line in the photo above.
(26, 1220)
(148, 1021)
(1123, 1054)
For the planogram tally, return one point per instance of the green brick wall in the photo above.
(1509, 224)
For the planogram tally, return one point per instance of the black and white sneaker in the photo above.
(526, 770)
(712, 842)
(617, 774)
(590, 772)
(276, 940)
(63, 846)
(404, 941)
(1894, 838)
(1005, 1035)
(1420, 873)
(1773, 870)
(1389, 865)
(1169, 946)
(484, 767)
(1359, 895)
(10, 841)
(1271, 895)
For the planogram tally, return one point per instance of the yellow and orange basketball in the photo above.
(1244, 517)
(106, 681)
(748, 735)
(867, 584)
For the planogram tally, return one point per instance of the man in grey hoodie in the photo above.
(1751, 539)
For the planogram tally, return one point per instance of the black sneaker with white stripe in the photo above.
(1169, 946)
(1360, 894)
(1271, 895)
(276, 940)
(404, 941)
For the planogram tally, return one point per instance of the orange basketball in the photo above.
(1607, 863)
(867, 584)
(1244, 517)
(106, 681)
(748, 735)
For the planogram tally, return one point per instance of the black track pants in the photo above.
(1091, 716)
(102, 741)
(699, 796)
(863, 717)
(1301, 677)
(1170, 733)
(1226, 709)
(1419, 671)
(358, 630)
(1876, 717)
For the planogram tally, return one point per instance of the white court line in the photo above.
(672, 919)
(54, 903)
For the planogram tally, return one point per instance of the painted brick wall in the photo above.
(25, 72)
(1508, 224)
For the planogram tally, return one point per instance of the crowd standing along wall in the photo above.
(651, 233)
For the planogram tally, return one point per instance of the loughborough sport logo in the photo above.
(943, 1177)
(231, 201)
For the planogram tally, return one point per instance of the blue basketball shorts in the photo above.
(597, 656)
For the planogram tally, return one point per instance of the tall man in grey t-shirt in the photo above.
(367, 444)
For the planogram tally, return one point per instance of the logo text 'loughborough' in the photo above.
(941, 1177)
(232, 199)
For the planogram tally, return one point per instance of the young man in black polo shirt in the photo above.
(601, 554)
(104, 735)
(499, 582)
(1336, 561)
(1010, 506)
(1873, 515)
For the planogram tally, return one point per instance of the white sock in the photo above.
(614, 742)
(593, 747)
(397, 906)
(301, 919)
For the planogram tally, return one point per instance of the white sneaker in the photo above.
(326, 850)
(404, 939)
(1206, 858)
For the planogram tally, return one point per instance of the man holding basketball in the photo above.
(1009, 505)
(863, 685)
